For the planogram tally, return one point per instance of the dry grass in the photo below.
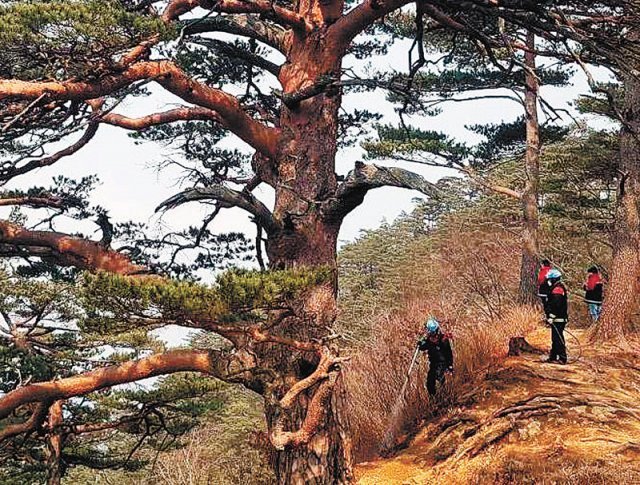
(528, 422)
(220, 451)
(377, 373)
(468, 277)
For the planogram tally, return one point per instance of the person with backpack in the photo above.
(543, 287)
(437, 345)
(593, 288)
(557, 315)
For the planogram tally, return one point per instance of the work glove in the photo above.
(550, 319)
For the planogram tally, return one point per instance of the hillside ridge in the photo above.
(532, 422)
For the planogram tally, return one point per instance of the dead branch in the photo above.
(363, 178)
(325, 377)
(227, 198)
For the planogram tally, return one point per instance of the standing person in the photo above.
(593, 288)
(438, 347)
(557, 313)
(543, 287)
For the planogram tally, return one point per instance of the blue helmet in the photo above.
(554, 274)
(432, 325)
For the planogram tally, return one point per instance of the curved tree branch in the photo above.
(178, 114)
(231, 51)
(168, 75)
(227, 198)
(347, 27)
(67, 250)
(325, 377)
(244, 25)
(363, 178)
(35, 202)
(35, 421)
(216, 363)
(8, 173)
(267, 8)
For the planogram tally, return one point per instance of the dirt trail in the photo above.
(532, 422)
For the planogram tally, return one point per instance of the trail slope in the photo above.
(532, 422)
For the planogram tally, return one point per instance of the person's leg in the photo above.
(553, 354)
(431, 380)
(441, 373)
(598, 311)
(562, 348)
(593, 311)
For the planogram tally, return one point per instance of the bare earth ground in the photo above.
(532, 422)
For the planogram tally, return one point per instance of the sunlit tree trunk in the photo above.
(305, 173)
(621, 297)
(529, 198)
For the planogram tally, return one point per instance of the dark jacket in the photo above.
(557, 304)
(438, 348)
(593, 289)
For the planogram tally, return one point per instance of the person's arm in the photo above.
(422, 344)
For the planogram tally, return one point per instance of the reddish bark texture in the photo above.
(621, 298)
(529, 196)
(64, 249)
(297, 158)
(54, 445)
(155, 365)
(305, 173)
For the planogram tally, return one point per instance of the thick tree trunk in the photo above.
(305, 168)
(529, 201)
(621, 297)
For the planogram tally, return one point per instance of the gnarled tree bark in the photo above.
(529, 197)
(621, 297)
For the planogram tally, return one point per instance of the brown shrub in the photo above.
(468, 280)
(379, 415)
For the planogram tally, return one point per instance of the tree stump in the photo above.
(518, 345)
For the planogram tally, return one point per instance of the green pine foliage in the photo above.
(61, 328)
(112, 302)
(43, 39)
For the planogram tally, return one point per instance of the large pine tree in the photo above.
(65, 67)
